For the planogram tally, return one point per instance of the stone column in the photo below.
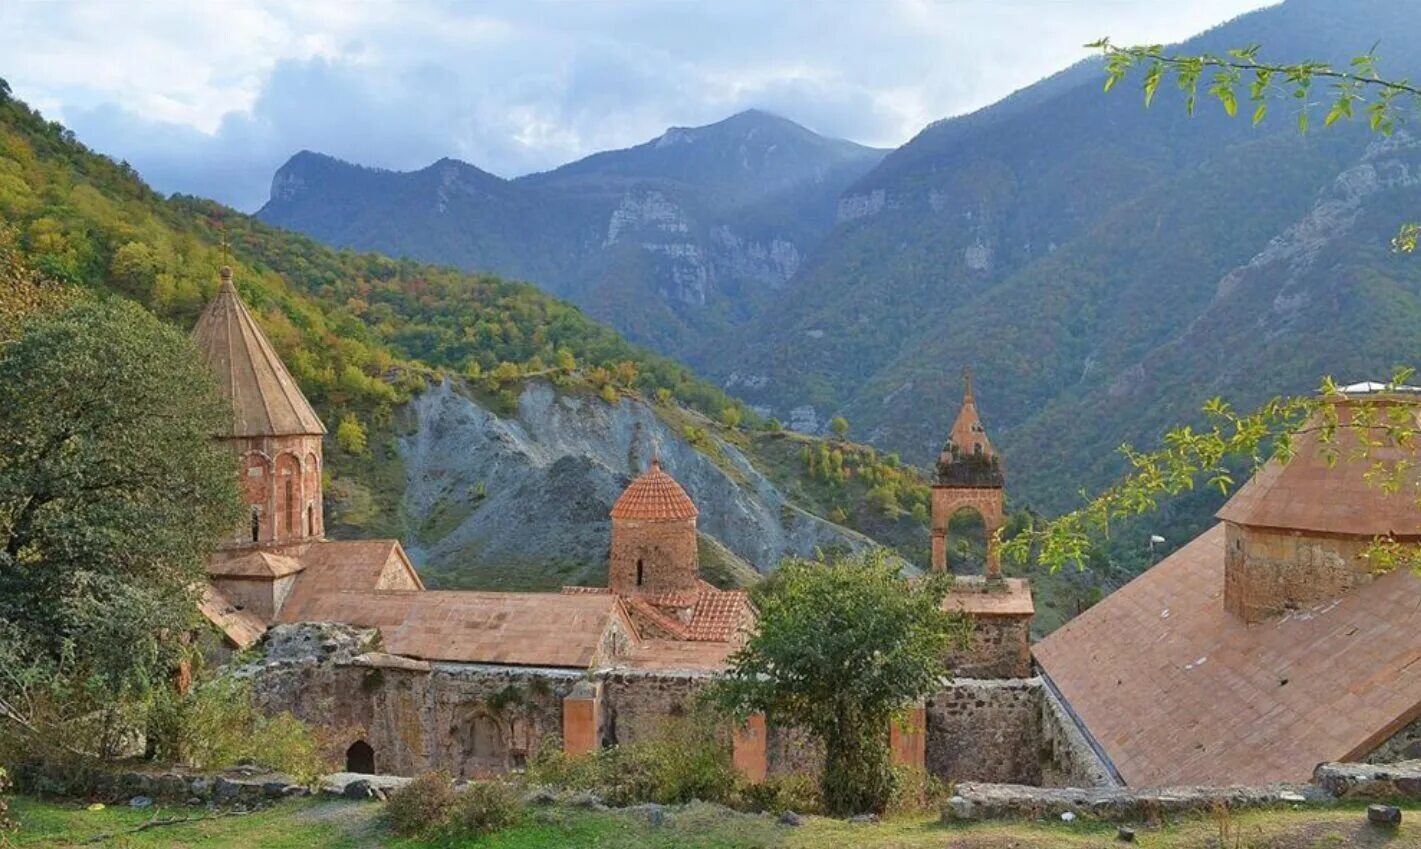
(908, 738)
(939, 562)
(582, 718)
(748, 752)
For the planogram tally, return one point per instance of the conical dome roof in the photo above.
(265, 398)
(1324, 487)
(656, 497)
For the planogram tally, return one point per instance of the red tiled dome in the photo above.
(654, 496)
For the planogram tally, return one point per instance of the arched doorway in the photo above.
(360, 758)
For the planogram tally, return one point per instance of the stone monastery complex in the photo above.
(1255, 652)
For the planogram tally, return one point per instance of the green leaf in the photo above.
(1259, 113)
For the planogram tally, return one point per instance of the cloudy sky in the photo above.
(210, 97)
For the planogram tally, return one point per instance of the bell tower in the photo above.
(273, 429)
(969, 477)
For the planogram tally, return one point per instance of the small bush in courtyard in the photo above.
(686, 759)
(780, 793)
(915, 790)
(215, 724)
(422, 806)
(483, 807)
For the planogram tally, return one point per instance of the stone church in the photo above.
(590, 666)
(1251, 654)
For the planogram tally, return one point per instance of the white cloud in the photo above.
(210, 98)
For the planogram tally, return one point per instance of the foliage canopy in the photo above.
(112, 494)
(841, 648)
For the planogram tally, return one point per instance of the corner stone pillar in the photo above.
(748, 752)
(939, 561)
(908, 739)
(582, 718)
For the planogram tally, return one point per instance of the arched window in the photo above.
(310, 520)
(360, 758)
(256, 525)
(977, 448)
(290, 505)
(639, 573)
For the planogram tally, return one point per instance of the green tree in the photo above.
(841, 648)
(112, 494)
(840, 426)
(350, 435)
(134, 269)
(731, 417)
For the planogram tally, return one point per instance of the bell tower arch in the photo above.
(969, 477)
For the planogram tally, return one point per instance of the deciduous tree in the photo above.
(113, 492)
(841, 648)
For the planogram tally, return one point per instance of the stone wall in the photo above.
(653, 557)
(475, 720)
(1067, 758)
(635, 704)
(1268, 572)
(986, 731)
(1000, 648)
(1404, 745)
(469, 719)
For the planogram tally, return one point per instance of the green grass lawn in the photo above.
(322, 824)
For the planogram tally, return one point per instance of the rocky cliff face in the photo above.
(522, 502)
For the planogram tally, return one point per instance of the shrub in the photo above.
(483, 807)
(6, 824)
(684, 760)
(423, 806)
(215, 724)
(915, 790)
(779, 793)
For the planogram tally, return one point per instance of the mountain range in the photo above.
(673, 242)
(1104, 268)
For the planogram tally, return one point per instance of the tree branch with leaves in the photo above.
(1376, 432)
(1240, 76)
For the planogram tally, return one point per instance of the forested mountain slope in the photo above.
(671, 242)
(554, 412)
(1105, 268)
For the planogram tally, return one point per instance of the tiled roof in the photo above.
(526, 629)
(652, 620)
(336, 565)
(970, 594)
(240, 628)
(654, 496)
(1308, 494)
(252, 563)
(714, 614)
(1178, 691)
(668, 655)
(718, 614)
(265, 398)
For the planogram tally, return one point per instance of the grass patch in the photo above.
(322, 824)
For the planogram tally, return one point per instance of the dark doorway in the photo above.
(360, 758)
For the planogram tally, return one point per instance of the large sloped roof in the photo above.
(1309, 493)
(265, 398)
(654, 496)
(1178, 691)
(525, 629)
(241, 628)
